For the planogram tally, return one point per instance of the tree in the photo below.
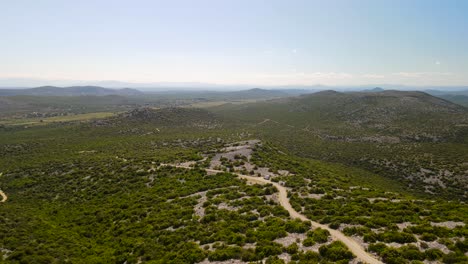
(336, 251)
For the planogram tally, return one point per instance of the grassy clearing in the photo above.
(222, 102)
(55, 119)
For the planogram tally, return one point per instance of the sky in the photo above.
(289, 42)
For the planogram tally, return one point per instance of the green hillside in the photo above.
(410, 136)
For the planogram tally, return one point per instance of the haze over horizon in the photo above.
(274, 43)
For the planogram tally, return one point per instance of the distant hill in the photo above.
(256, 93)
(458, 99)
(436, 92)
(70, 91)
(43, 106)
(167, 117)
(296, 92)
(375, 90)
(459, 96)
(410, 115)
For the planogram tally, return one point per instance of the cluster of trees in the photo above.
(263, 249)
(412, 253)
(317, 235)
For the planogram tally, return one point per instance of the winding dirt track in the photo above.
(4, 197)
(353, 246)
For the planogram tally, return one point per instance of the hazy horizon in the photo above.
(192, 86)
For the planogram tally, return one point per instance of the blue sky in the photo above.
(237, 42)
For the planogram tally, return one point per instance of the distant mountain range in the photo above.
(70, 91)
(255, 93)
(457, 95)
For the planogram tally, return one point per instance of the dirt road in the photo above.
(353, 246)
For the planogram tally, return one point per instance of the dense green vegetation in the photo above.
(370, 207)
(95, 213)
(84, 193)
(94, 192)
(412, 137)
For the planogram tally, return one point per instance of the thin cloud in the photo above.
(421, 74)
(294, 76)
(373, 76)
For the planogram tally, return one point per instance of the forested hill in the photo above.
(407, 115)
(413, 137)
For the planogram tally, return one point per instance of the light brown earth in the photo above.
(4, 197)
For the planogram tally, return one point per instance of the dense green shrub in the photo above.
(319, 235)
(398, 237)
(308, 242)
(225, 253)
(377, 248)
(433, 254)
(335, 251)
(411, 252)
(292, 249)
